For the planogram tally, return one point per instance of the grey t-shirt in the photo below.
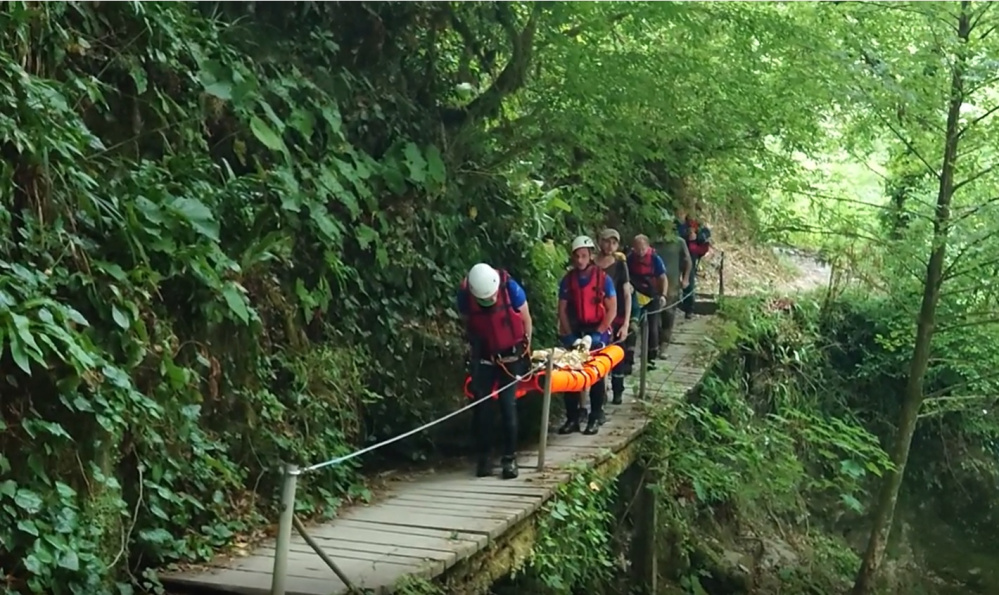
(676, 257)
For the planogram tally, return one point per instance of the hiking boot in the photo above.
(592, 427)
(569, 427)
(484, 468)
(617, 400)
(688, 315)
(510, 470)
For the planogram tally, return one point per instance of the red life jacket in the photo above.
(587, 303)
(697, 249)
(642, 271)
(499, 327)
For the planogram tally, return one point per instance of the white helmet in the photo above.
(483, 281)
(583, 242)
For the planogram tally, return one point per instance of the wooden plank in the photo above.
(490, 527)
(256, 583)
(351, 562)
(460, 539)
(431, 503)
(307, 566)
(520, 488)
(446, 498)
(367, 551)
(426, 506)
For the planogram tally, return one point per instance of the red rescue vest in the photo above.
(696, 249)
(499, 327)
(642, 271)
(587, 303)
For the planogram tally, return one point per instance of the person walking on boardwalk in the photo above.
(697, 235)
(648, 276)
(676, 257)
(498, 323)
(587, 306)
(615, 265)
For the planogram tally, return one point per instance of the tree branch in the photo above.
(908, 145)
(974, 211)
(471, 43)
(511, 78)
(978, 18)
(975, 121)
(975, 176)
(951, 274)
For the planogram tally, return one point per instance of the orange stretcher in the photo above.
(599, 365)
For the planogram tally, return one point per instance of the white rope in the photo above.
(357, 453)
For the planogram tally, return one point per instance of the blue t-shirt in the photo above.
(609, 291)
(658, 266)
(518, 297)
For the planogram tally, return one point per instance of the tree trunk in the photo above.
(888, 497)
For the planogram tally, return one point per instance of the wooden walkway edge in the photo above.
(426, 525)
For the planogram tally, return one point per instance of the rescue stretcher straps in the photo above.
(376, 446)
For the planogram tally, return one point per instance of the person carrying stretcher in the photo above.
(498, 324)
(587, 305)
(648, 276)
(615, 264)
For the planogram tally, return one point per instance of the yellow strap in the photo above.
(643, 299)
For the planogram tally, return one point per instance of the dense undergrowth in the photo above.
(767, 472)
(769, 469)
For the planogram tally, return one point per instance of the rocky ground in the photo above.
(751, 269)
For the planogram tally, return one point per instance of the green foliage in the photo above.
(232, 233)
(573, 547)
(417, 586)
(766, 438)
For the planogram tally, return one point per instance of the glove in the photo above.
(599, 340)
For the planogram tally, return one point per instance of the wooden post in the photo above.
(643, 359)
(288, 486)
(644, 545)
(546, 408)
(721, 275)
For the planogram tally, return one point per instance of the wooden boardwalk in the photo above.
(424, 525)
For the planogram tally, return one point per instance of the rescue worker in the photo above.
(614, 264)
(676, 257)
(587, 306)
(697, 235)
(648, 277)
(498, 323)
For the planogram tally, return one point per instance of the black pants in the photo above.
(624, 367)
(651, 311)
(598, 393)
(669, 319)
(688, 292)
(487, 377)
